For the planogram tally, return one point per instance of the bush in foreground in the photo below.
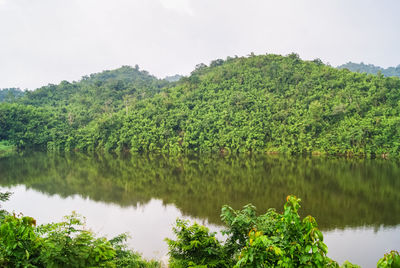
(64, 244)
(269, 240)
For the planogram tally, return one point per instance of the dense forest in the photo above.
(371, 69)
(267, 103)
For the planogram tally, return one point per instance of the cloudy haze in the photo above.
(46, 41)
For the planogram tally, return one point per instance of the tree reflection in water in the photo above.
(338, 192)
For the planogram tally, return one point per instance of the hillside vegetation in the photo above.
(247, 104)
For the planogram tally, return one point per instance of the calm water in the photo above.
(356, 202)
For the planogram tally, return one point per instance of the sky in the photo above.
(47, 41)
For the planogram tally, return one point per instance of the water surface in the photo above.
(356, 202)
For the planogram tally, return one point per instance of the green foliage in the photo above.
(20, 247)
(259, 103)
(195, 247)
(58, 117)
(269, 240)
(68, 244)
(391, 260)
(27, 126)
(278, 240)
(239, 225)
(64, 244)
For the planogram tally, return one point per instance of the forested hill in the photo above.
(255, 103)
(108, 88)
(371, 69)
(10, 94)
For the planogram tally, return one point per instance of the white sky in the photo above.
(47, 41)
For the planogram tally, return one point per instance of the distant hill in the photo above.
(107, 87)
(173, 78)
(10, 94)
(371, 69)
(266, 103)
(96, 94)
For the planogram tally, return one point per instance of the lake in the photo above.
(356, 202)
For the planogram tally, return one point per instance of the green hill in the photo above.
(257, 103)
(50, 116)
(107, 90)
(10, 94)
(371, 69)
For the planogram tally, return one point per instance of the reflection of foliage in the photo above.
(269, 240)
(338, 192)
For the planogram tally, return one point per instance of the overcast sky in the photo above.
(47, 41)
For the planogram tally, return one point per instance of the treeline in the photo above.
(371, 69)
(243, 104)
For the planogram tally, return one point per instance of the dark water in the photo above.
(356, 202)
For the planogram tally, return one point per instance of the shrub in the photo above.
(195, 247)
(391, 259)
(268, 240)
(64, 244)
